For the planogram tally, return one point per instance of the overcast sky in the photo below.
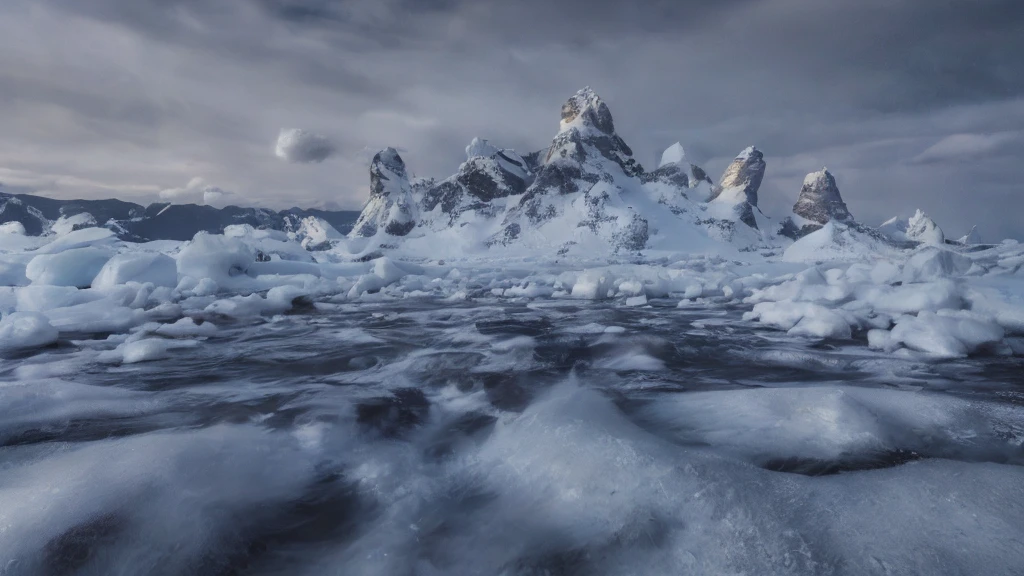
(910, 103)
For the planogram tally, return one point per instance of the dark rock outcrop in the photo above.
(390, 208)
(820, 201)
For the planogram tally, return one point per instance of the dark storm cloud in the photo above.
(911, 103)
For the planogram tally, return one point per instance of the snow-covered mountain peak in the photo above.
(739, 185)
(480, 148)
(388, 160)
(391, 208)
(742, 178)
(748, 152)
(674, 154)
(585, 110)
(819, 199)
(507, 159)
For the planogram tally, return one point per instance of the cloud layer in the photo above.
(129, 97)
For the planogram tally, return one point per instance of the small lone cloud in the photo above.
(301, 147)
(198, 191)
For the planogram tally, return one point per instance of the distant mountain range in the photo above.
(160, 221)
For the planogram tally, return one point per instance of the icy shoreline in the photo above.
(929, 301)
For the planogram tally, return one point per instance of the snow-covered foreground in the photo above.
(240, 405)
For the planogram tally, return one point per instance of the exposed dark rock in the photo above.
(820, 200)
(671, 174)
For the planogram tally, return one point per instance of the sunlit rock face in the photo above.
(587, 132)
(745, 173)
(739, 185)
(820, 201)
(391, 208)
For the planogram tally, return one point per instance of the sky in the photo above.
(909, 103)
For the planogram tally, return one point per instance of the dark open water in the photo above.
(557, 438)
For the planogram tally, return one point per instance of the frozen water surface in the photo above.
(497, 436)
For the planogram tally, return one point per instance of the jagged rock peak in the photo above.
(387, 167)
(587, 133)
(390, 208)
(585, 109)
(820, 201)
(744, 175)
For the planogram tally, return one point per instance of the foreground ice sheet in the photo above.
(239, 404)
(502, 435)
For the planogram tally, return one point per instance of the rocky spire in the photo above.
(744, 175)
(390, 208)
(587, 127)
(585, 109)
(820, 201)
(587, 161)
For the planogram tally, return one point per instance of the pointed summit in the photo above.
(743, 176)
(588, 163)
(585, 109)
(820, 200)
(587, 137)
(390, 208)
(674, 154)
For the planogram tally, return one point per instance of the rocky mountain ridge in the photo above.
(586, 191)
(38, 215)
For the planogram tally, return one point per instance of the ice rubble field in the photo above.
(238, 404)
(932, 301)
